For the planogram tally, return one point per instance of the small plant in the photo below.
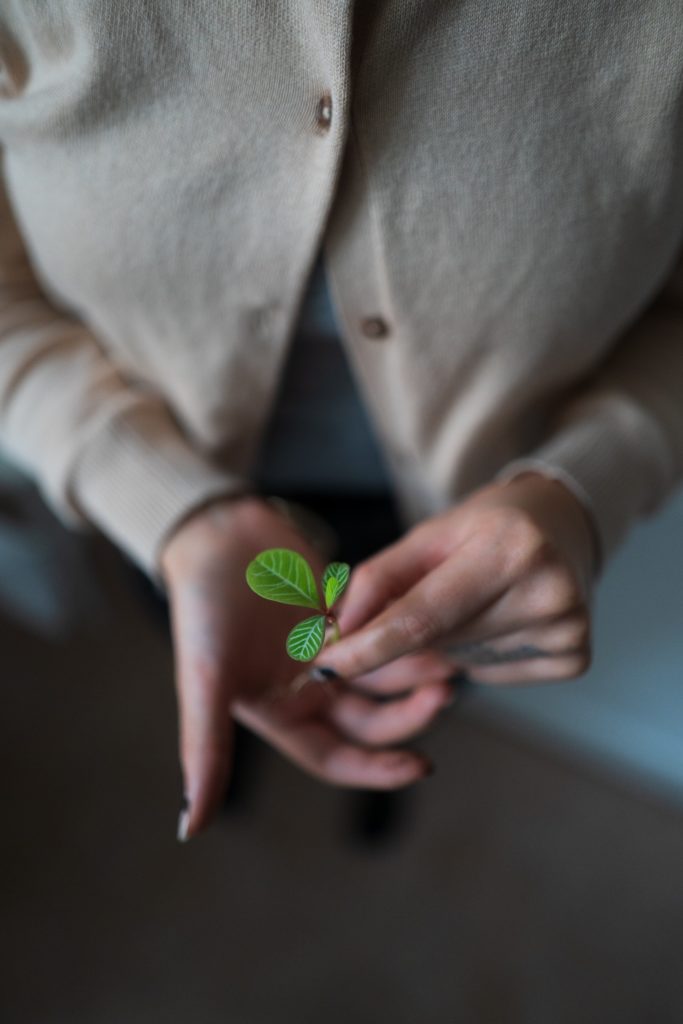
(279, 574)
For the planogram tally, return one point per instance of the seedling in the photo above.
(279, 574)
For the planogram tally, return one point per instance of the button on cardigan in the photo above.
(499, 186)
(318, 438)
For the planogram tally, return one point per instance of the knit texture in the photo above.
(499, 185)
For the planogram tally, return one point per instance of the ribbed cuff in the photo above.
(138, 477)
(613, 457)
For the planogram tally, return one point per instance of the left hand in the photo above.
(231, 663)
(502, 582)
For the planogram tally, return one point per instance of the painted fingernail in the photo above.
(429, 769)
(459, 683)
(322, 675)
(184, 820)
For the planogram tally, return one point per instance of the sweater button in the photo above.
(323, 114)
(374, 327)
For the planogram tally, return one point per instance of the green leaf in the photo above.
(335, 578)
(306, 639)
(279, 574)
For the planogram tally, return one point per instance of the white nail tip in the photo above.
(183, 825)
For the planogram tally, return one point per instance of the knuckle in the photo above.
(434, 543)
(576, 665)
(363, 573)
(365, 576)
(563, 591)
(417, 628)
(527, 546)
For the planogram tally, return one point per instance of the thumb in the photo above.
(205, 723)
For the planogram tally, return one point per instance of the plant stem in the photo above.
(336, 635)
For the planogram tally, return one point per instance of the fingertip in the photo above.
(439, 691)
(405, 769)
(207, 780)
(192, 821)
(433, 697)
(183, 829)
(345, 617)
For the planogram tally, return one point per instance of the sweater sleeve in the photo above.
(617, 440)
(104, 452)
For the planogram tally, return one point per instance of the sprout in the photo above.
(279, 574)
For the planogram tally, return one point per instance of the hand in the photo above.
(231, 662)
(502, 582)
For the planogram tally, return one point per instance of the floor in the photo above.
(528, 886)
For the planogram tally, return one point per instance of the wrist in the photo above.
(196, 532)
(576, 520)
(195, 537)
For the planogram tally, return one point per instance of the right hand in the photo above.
(231, 663)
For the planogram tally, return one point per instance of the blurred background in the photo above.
(536, 878)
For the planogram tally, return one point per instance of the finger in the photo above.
(205, 728)
(382, 578)
(479, 645)
(407, 673)
(534, 671)
(367, 722)
(545, 597)
(317, 747)
(432, 609)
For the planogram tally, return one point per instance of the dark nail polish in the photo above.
(429, 769)
(323, 675)
(460, 683)
(183, 820)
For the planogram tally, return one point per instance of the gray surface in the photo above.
(527, 889)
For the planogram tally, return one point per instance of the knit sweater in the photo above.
(497, 193)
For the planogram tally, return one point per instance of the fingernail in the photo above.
(459, 684)
(429, 769)
(322, 675)
(184, 820)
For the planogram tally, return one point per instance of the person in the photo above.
(494, 197)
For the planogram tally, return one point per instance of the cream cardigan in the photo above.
(498, 190)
